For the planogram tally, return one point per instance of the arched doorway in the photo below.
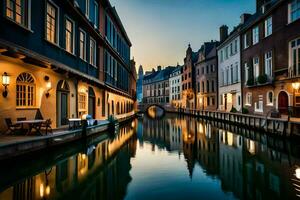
(62, 99)
(92, 103)
(283, 102)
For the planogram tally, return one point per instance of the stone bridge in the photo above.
(143, 107)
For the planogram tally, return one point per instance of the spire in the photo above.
(189, 49)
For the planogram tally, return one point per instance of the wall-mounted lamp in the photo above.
(48, 86)
(5, 83)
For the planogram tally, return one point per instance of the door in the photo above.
(64, 109)
(92, 106)
(283, 102)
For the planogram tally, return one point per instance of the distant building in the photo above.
(175, 87)
(156, 86)
(188, 79)
(229, 65)
(139, 85)
(206, 77)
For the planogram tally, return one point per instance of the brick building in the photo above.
(206, 74)
(270, 42)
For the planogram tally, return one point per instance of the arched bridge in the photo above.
(143, 107)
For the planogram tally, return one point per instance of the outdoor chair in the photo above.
(21, 119)
(11, 128)
(46, 126)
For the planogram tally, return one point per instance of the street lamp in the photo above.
(5, 83)
(296, 87)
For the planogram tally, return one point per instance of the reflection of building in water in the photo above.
(269, 174)
(86, 175)
(189, 143)
(157, 132)
(175, 134)
(208, 148)
(231, 162)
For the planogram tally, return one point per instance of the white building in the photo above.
(175, 87)
(229, 62)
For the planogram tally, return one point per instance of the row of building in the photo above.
(64, 59)
(255, 68)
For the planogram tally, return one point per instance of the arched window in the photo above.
(270, 98)
(25, 90)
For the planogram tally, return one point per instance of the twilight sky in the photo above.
(160, 30)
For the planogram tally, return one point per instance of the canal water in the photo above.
(169, 158)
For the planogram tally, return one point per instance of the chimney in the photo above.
(158, 68)
(245, 17)
(223, 33)
(259, 4)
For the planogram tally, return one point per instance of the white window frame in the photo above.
(255, 35)
(246, 72)
(73, 34)
(56, 21)
(87, 8)
(96, 17)
(268, 63)
(256, 67)
(25, 83)
(291, 57)
(259, 106)
(84, 53)
(245, 37)
(93, 60)
(248, 99)
(290, 20)
(268, 26)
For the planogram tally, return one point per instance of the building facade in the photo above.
(188, 79)
(139, 85)
(270, 57)
(156, 88)
(65, 55)
(229, 65)
(175, 87)
(206, 77)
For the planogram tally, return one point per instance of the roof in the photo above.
(207, 51)
(160, 75)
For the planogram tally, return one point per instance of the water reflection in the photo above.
(169, 158)
(98, 171)
(155, 112)
(245, 167)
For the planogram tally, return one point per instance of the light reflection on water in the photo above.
(169, 158)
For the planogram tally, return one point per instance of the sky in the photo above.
(160, 30)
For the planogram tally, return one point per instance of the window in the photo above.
(247, 77)
(92, 52)
(294, 61)
(237, 75)
(294, 11)
(249, 99)
(82, 101)
(87, 8)
(268, 63)
(96, 19)
(256, 67)
(270, 96)
(212, 86)
(207, 86)
(17, 10)
(231, 74)
(255, 35)
(82, 45)
(235, 46)
(259, 105)
(25, 91)
(268, 27)
(69, 35)
(52, 23)
(246, 43)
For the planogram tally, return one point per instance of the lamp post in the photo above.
(5, 83)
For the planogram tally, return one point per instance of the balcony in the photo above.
(261, 80)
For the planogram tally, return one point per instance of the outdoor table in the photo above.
(75, 122)
(33, 124)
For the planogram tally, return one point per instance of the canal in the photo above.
(168, 158)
